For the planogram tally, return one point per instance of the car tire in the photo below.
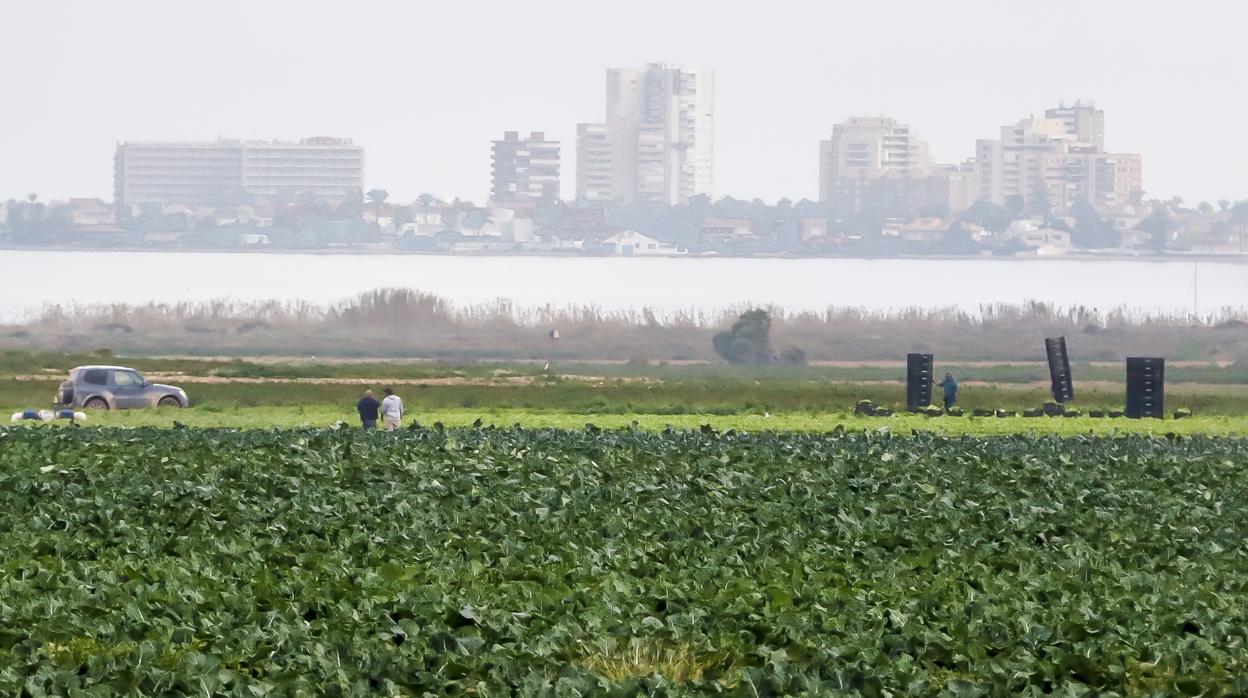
(96, 403)
(169, 401)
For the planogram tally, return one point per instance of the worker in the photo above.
(950, 387)
(368, 407)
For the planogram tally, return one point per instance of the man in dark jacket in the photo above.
(368, 407)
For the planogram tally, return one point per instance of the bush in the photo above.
(1182, 413)
(748, 341)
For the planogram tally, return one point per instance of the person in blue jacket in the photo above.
(951, 390)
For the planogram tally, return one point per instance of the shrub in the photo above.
(748, 341)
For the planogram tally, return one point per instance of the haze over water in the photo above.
(35, 279)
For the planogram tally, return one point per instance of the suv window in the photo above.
(126, 378)
(95, 376)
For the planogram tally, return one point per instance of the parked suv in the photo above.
(115, 388)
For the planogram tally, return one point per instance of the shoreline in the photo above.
(378, 251)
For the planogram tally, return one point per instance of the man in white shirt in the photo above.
(391, 410)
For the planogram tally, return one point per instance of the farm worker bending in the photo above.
(391, 410)
(951, 390)
(368, 407)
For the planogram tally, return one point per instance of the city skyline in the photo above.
(771, 104)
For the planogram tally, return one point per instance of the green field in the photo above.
(809, 422)
(255, 394)
(500, 562)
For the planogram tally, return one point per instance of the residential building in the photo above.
(1046, 241)
(525, 170)
(1055, 161)
(634, 244)
(657, 142)
(88, 212)
(871, 147)
(879, 163)
(1084, 123)
(722, 230)
(593, 163)
(223, 171)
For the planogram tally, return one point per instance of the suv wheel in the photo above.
(96, 403)
(169, 401)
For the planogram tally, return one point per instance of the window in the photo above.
(95, 376)
(126, 378)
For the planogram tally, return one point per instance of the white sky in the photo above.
(426, 86)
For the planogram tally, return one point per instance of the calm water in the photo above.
(29, 280)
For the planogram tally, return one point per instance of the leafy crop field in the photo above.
(556, 562)
(818, 422)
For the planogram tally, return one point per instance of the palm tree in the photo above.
(377, 197)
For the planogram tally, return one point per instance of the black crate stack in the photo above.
(1146, 387)
(918, 381)
(1059, 369)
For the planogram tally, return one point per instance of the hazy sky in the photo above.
(425, 86)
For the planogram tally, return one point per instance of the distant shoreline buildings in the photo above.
(645, 184)
(1038, 164)
(214, 172)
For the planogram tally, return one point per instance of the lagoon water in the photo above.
(31, 280)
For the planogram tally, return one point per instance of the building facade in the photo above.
(871, 147)
(1056, 161)
(657, 142)
(1084, 123)
(878, 163)
(593, 163)
(525, 171)
(219, 172)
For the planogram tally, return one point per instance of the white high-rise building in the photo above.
(657, 140)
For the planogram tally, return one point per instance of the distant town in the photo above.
(1044, 186)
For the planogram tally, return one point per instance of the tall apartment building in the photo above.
(525, 171)
(868, 148)
(215, 172)
(878, 162)
(658, 138)
(593, 163)
(1059, 159)
(1084, 122)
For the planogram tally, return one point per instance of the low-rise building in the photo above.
(725, 229)
(630, 243)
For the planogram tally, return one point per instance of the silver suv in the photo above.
(115, 388)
